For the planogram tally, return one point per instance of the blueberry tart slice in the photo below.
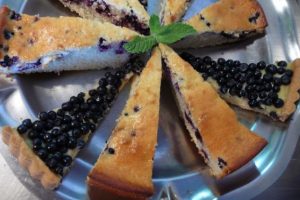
(173, 10)
(47, 147)
(270, 89)
(225, 144)
(225, 21)
(47, 44)
(124, 168)
(127, 13)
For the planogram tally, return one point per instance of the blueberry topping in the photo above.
(282, 64)
(67, 160)
(286, 80)
(278, 103)
(22, 129)
(72, 143)
(51, 163)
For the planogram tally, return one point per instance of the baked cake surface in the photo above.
(127, 13)
(225, 144)
(226, 21)
(124, 169)
(173, 10)
(270, 89)
(41, 44)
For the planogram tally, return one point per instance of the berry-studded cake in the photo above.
(225, 21)
(46, 44)
(124, 169)
(46, 147)
(224, 143)
(271, 89)
(173, 10)
(127, 13)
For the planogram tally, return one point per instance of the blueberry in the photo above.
(221, 61)
(226, 68)
(253, 103)
(84, 107)
(257, 74)
(233, 91)
(76, 133)
(59, 170)
(33, 134)
(38, 126)
(289, 73)
(66, 106)
(277, 81)
(92, 127)
(249, 88)
(205, 76)
(63, 149)
(109, 98)
(51, 147)
(272, 69)
(22, 129)
(67, 119)
(259, 88)
(241, 93)
(65, 127)
(243, 67)
(27, 123)
(72, 143)
(268, 101)
(268, 77)
(239, 86)
(231, 83)
(252, 96)
(84, 128)
(262, 95)
(58, 155)
(43, 116)
(229, 63)
(55, 132)
(251, 80)
(101, 90)
(49, 125)
(42, 153)
(236, 63)
(224, 89)
(207, 60)
(81, 95)
(111, 151)
(67, 160)
(281, 70)
(282, 64)
(93, 93)
(52, 163)
(80, 144)
(113, 90)
(278, 103)
(120, 74)
(261, 65)
(252, 67)
(221, 81)
(74, 100)
(268, 86)
(58, 122)
(47, 137)
(60, 112)
(62, 140)
(286, 80)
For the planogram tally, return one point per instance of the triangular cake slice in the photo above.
(46, 44)
(225, 144)
(270, 89)
(127, 13)
(173, 10)
(124, 169)
(46, 147)
(225, 21)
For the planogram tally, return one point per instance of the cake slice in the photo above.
(272, 90)
(46, 44)
(127, 13)
(124, 168)
(225, 144)
(173, 10)
(48, 146)
(225, 21)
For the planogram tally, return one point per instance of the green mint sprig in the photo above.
(159, 34)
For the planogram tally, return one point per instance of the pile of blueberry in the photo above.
(57, 132)
(259, 83)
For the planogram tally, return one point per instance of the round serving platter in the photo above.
(179, 172)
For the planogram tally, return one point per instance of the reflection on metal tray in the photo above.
(179, 172)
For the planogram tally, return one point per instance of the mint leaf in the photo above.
(159, 34)
(140, 44)
(174, 32)
(154, 24)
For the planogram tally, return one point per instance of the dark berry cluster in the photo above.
(259, 83)
(57, 132)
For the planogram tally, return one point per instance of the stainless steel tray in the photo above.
(179, 172)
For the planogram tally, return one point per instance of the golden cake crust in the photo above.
(173, 11)
(127, 172)
(222, 134)
(28, 160)
(230, 16)
(39, 36)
